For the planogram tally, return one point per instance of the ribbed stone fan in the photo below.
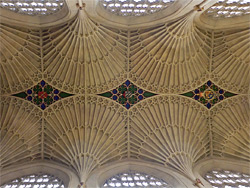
(171, 57)
(230, 128)
(20, 57)
(85, 137)
(83, 54)
(172, 131)
(230, 64)
(21, 131)
(85, 58)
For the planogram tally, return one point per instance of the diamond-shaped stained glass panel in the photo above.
(209, 94)
(42, 95)
(127, 94)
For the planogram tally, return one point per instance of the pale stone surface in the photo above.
(85, 54)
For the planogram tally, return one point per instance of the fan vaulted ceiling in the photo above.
(86, 58)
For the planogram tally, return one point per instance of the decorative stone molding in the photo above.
(98, 177)
(215, 163)
(69, 178)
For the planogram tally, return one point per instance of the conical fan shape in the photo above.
(170, 130)
(231, 128)
(20, 61)
(85, 136)
(170, 58)
(84, 54)
(231, 59)
(21, 128)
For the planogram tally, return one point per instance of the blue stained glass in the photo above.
(56, 98)
(42, 93)
(29, 98)
(140, 91)
(42, 83)
(208, 94)
(196, 97)
(56, 91)
(127, 83)
(221, 91)
(221, 97)
(127, 94)
(43, 106)
(127, 105)
(140, 97)
(29, 91)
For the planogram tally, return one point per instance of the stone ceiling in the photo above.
(58, 101)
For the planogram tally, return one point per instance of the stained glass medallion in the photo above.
(42, 95)
(127, 94)
(209, 94)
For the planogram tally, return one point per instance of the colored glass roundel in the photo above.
(209, 94)
(42, 95)
(127, 94)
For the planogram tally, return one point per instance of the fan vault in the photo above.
(84, 60)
